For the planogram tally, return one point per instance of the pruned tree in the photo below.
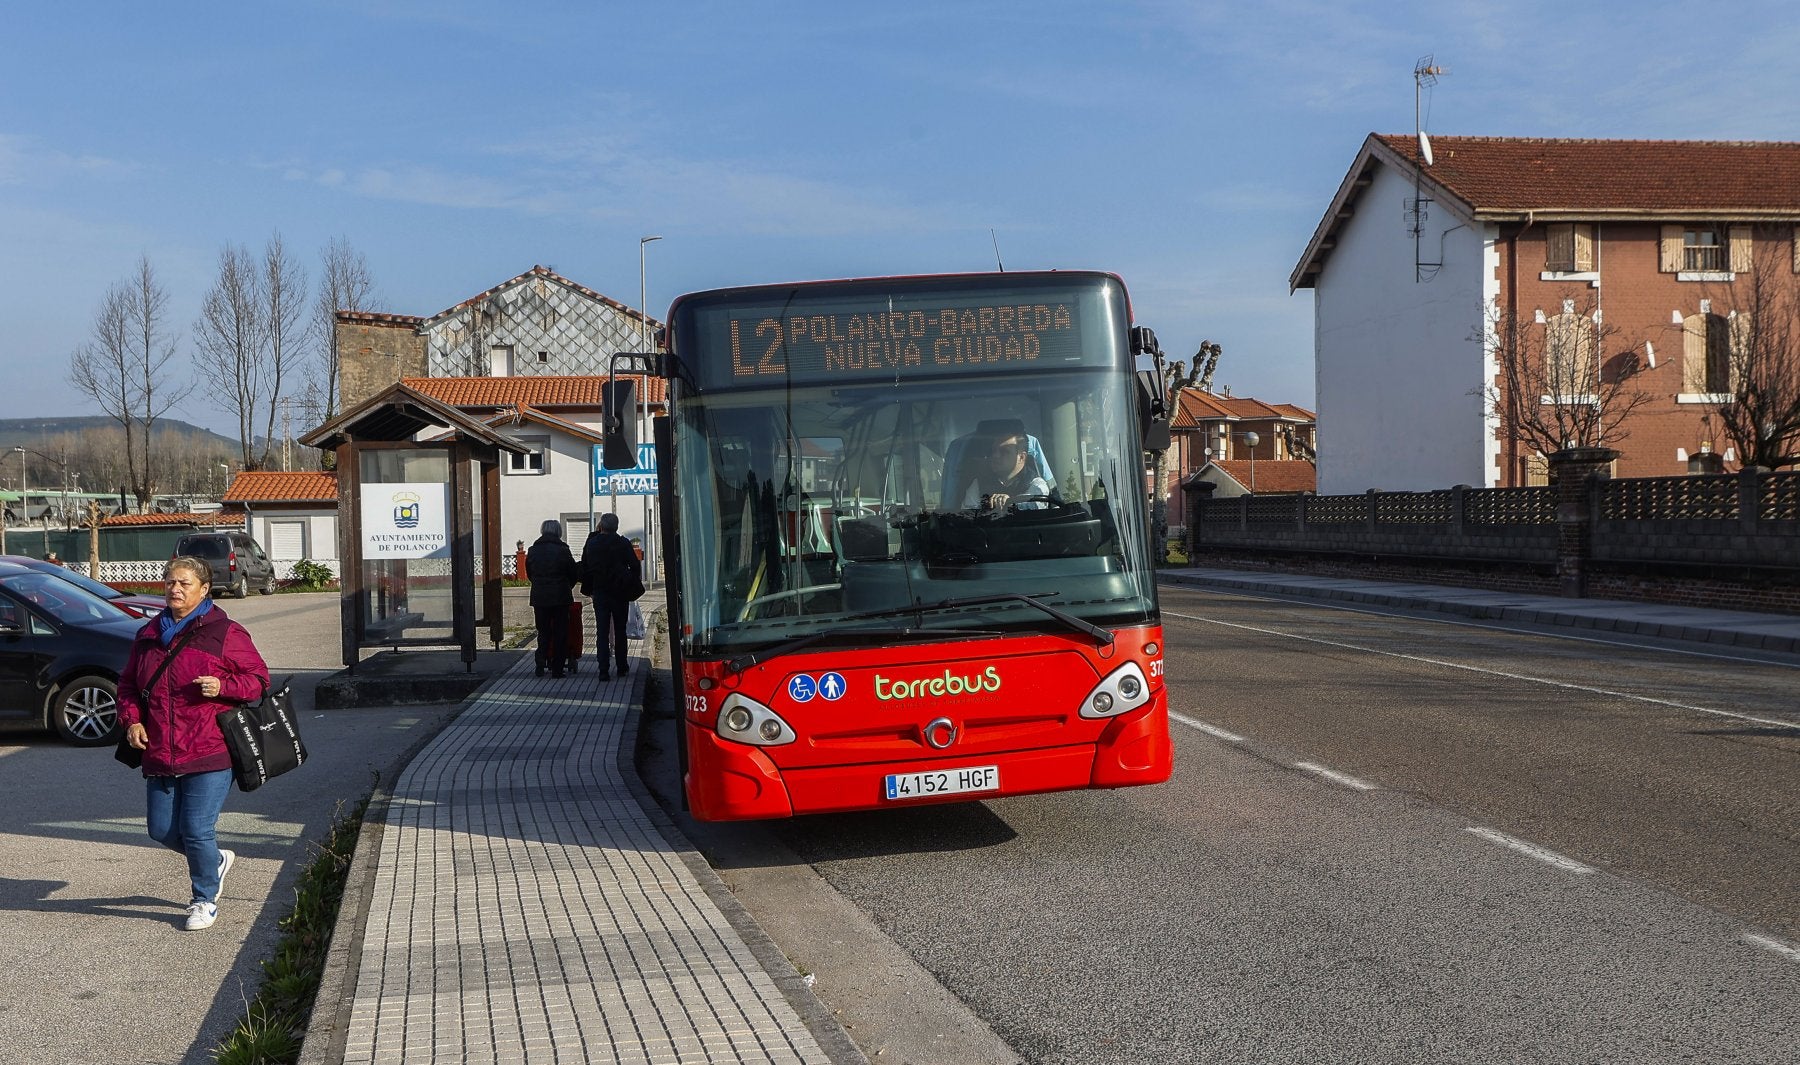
(124, 369)
(1178, 377)
(1755, 363)
(230, 337)
(281, 291)
(345, 284)
(1563, 379)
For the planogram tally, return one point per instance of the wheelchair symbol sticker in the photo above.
(801, 688)
(831, 686)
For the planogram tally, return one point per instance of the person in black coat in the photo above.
(610, 573)
(551, 567)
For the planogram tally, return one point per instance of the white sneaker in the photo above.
(226, 858)
(201, 915)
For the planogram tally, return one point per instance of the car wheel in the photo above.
(268, 587)
(86, 712)
(241, 588)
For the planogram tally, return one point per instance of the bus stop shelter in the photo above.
(418, 523)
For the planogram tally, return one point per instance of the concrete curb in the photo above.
(1595, 616)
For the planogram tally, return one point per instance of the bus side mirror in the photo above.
(618, 422)
(1153, 411)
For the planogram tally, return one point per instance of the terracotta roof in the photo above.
(1551, 179)
(1272, 475)
(277, 486)
(220, 518)
(522, 413)
(1194, 407)
(540, 392)
(1745, 179)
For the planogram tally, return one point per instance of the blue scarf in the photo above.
(167, 628)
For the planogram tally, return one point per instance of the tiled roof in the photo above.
(1548, 179)
(549, 274)
(277, 486)
(528, 391)
(1194, 407)
(378, 318)
(220, 518)
(1272, 475)
(1742, 178)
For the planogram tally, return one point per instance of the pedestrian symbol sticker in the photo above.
(801, 688)
(831, 686)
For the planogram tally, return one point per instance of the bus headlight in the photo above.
(744, 720)
(1122, 690)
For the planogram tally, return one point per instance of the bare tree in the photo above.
(1563, 378)
(1761, 360)
(229, 338)
(345, 284)
(124, 369)
(281, 291)
(1178, 377)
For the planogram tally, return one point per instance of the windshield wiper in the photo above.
(742, 662)
(1101, 637)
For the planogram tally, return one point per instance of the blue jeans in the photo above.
(184, 816)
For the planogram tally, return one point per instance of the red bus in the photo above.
(907, 542)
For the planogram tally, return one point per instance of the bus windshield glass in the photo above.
(926, 501)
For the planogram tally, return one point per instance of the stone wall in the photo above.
(375, 351)
(1726, 540)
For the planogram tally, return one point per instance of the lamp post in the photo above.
(226, 466)
(1250, 440)
(643, 400)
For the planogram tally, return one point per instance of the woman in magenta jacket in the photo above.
(187, 770)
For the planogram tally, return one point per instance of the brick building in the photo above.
(1214, 437)
(1651, 245)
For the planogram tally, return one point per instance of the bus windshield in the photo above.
(943, 504)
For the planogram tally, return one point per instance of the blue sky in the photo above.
(1189, 147)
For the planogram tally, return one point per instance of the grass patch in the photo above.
(275, 1020)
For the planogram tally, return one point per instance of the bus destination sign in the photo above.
(955, 336)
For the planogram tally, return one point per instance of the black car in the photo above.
(61, 653)
(138, 606)
(237, 560)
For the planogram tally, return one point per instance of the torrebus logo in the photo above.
(988, 680)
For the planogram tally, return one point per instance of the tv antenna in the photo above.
(997, 263)
(1425, 74)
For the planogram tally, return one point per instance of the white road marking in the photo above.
(1776, 946)
(1210, 730)
(1549, 857)
(1491, 672)
(1334, 776)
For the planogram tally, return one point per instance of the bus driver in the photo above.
(1004, 477)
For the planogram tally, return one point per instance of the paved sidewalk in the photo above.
(1741, 629)
(525, 907)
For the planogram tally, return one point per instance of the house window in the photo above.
(1569, 248)
(1702, 250)
(533, 462)
(1705, 357)
(1570, 374)
(543, 357)
(500, 360)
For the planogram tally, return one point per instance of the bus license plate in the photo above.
(943, 782)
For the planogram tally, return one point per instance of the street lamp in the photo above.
(226, 466)
(643, 399)
(1250, 440)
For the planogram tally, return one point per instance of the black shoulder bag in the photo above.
(125, 753)
(263, 738)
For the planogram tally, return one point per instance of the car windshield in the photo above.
(60, 599)
(87, 583)
(203, 547)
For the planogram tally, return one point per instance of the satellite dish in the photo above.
(1425, 148)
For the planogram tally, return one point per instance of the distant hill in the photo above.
(30, 432)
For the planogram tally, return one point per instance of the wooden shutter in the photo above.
(1559, 247)
(1584, 248)
(1740, 249)
(1693, 354)
(1741, 340)
(1794, 236)
(1673, 257)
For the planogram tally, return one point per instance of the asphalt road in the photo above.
(95, 968)
(1386, 840)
